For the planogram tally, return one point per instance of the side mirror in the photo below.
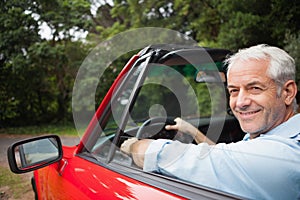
(35, 153)
(210, 77)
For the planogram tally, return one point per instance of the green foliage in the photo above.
(252, 22)
(293, 48)
(64, 16)
(37, 75)
(219, 23)
(18, 31)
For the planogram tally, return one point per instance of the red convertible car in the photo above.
(158, 84)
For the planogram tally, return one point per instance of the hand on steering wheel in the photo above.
(183, 126)
(189, 129)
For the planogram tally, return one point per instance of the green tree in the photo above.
(18, 32)
(292, 46)
(250, 22)
(221, 23)
(37, 74)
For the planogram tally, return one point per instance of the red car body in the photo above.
(82, 180)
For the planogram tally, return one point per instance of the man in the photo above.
(266, 163)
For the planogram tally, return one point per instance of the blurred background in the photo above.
(43, 44)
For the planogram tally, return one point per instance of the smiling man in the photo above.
(260, 98)
(266, 163)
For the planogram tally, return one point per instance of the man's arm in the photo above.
(137, 149)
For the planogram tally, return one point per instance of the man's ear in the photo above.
(289, 91)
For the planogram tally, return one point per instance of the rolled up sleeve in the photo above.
(151, 155)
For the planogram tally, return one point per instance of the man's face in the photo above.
(253, 97)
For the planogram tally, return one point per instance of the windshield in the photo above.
(173, 91)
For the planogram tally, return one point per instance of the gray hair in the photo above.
(282, 66)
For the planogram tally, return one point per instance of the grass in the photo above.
(58, 129)
(16, 183)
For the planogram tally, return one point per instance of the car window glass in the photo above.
(112, 121)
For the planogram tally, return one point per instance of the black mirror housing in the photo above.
(34, 153)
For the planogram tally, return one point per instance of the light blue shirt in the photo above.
(267, 167)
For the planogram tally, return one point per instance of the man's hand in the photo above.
(188, 128)
(125, 147)
(183, 126)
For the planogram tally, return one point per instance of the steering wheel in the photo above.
(156, 127)
(159, 122)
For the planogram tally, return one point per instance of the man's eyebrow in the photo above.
(231, 86)
(255, 83)
(248, 85)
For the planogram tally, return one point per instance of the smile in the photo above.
(248, 113)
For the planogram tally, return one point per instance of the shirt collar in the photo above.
(288, 129)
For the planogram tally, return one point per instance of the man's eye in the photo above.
(233, 92)
(255, 90)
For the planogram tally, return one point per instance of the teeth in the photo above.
(247, 113)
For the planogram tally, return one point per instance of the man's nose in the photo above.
(243, 99)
